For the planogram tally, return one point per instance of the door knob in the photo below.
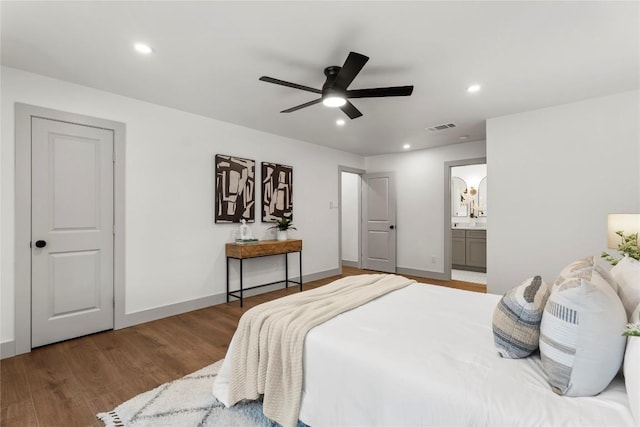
(41, 244)
(391, 227)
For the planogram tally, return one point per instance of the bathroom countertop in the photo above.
(469, 227)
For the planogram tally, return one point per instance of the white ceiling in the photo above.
(209, 54)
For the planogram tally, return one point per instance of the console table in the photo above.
(261, 249)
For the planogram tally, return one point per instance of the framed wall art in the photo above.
(277, 192)
(235, 189)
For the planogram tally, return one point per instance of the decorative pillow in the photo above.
(583, 268)
(581, 342)
(632, 369)
(627, 274)
(516, 319)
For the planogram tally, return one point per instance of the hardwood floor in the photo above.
(67, 383)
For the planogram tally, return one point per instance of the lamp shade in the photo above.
(627, 223)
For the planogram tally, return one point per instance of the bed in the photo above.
(425, 355)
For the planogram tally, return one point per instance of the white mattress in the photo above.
(424, 355)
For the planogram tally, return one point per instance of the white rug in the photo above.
(469, 276)
(185, 402)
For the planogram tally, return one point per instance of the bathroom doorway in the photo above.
(465, 220)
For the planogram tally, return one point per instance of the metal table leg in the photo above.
(300, 254)
(286, 270)
(241, 294)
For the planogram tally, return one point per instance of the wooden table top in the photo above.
(262, 248)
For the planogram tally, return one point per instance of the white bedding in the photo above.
(424, 355)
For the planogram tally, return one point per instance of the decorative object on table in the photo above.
(277, 192)
(626, 228)
(235, 189)
(283, 226)
(247, 241)
(245, 231)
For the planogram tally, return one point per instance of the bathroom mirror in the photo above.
(482, 197)
(458, 187)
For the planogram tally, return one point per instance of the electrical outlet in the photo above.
(433, 259)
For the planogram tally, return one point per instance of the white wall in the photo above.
(350, 216)
(555, 174)
(174, 250)
(420, 200)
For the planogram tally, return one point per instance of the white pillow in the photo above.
(632, 369)
(627, 274)
(581, 342)
(583, 268)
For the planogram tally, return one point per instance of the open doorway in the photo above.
(350, 213)
(465, 220)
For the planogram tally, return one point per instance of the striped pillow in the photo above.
(516, 319)
(581, 343)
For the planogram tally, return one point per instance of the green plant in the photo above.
(283, 224)
(632, 330)
(628, 246)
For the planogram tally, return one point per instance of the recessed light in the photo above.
(340, 122)
(142, 48)
(464, 137)
(473, 88)
(406, 146)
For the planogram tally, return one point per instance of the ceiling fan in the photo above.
(334, 90)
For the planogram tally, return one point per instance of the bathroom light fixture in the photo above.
(340, 122)
(142, 48)
(406, 146)
(473, 88)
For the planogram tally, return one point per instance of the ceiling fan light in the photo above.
(334, 101)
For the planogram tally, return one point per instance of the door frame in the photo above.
(358, 172)
(22, 305)
(447, 208)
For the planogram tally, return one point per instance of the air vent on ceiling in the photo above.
(441, 127)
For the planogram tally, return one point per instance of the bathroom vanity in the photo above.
(469, 249)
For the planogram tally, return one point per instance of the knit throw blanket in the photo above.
(268, 345)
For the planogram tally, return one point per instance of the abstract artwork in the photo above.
(277, 192)
(235, 189)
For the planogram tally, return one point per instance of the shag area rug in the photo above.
(185, 402)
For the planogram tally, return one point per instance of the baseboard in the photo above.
(469, 268)
(7, 349)
(321, 275)
(422, 273)
(354, 264)
(157, 313)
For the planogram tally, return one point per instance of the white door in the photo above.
(379, 222)
(71, 231)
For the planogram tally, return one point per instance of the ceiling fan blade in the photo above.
(350, 70)
(298, 107)
(380, 92)
(351, 111)
(288, 84)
